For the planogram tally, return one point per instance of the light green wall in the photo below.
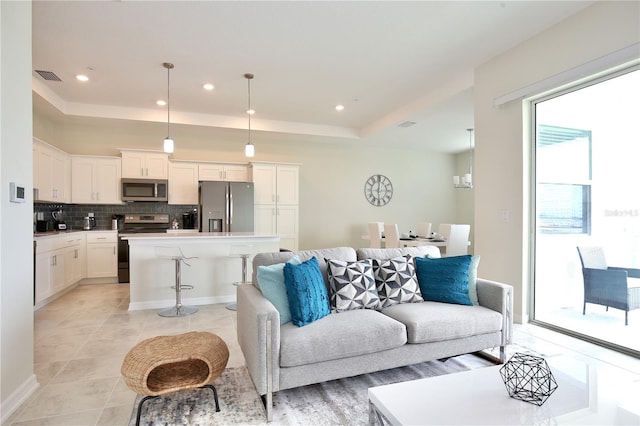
(333, 211)
(502, 150)
(17, 380)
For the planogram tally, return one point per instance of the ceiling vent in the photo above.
(48, 75)
(407, 124)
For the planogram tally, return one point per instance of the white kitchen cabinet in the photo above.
(51, 173)
(95, 180)
(59, 264)
(183, 182)
(144, 164)
(276, 201)
(223, 172)
(74, 258)
(102, 254)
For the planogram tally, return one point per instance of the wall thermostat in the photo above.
(17, 193)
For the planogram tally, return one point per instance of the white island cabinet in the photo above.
(214, 268)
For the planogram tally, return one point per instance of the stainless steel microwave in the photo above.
(144, 190)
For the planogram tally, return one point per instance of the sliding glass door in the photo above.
(587, 194)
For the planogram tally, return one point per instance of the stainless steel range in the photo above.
(137, 223)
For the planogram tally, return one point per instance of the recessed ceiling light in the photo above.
(82, 77)
(251, 111)
(160, 102)
(208, 86)
(339, 107)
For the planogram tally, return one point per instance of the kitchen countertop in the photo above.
(192, 235)
(67, 232)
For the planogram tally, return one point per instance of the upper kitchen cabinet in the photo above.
(144, 164)
(276, 208)
(223, 172)
(95, 180)
(51, 173)
(183, 182)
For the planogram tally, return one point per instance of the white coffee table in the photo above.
(585, 395)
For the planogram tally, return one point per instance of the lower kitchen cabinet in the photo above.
(102, 254)
(59, 263)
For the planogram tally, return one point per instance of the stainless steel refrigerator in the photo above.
(226, 206)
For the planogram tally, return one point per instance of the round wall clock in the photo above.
(378, 190)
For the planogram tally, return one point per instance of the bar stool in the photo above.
(242, 251)
(179, 310)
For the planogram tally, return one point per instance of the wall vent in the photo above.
(48, 75)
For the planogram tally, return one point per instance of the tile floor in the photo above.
(82, 337)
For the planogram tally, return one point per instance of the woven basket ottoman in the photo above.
(166, 364)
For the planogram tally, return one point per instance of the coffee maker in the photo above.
(190, 219)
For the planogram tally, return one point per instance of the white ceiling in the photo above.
(387, 62)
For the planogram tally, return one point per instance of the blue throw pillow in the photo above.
(306, 292)
(444, 279)
(271, 282)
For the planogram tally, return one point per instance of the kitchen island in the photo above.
(214, 267)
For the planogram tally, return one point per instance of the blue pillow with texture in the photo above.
(271, 283)
(444, 279)
(306, 292)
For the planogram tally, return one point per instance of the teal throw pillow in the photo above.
(306, 292)
(444, 279)
(271, 283)
(473, 276)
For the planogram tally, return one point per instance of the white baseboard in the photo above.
(195, 301)
(20, 395)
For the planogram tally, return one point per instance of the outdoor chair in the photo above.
(606, 285)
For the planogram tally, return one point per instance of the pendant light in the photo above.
(168, 142)
(467, 180)
(249, 149)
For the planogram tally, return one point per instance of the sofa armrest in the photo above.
(498, 297)
(258, 332)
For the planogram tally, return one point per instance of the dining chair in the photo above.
(424, 229)
(608, 285)
(456, 237)
(375, 234)
(391, 235)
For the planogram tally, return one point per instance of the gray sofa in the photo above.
(362, 341)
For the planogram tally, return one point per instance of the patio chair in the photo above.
(606, 285)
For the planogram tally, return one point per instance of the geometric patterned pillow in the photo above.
(396, 281)
(352, 285)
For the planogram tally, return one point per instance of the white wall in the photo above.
(333, 210)
(16, 242)
(502, 151)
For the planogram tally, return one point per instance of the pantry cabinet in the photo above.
(276, 201)
(223, 172)
(183, 182)
(51, 173)
(95, 180)
(144, 164)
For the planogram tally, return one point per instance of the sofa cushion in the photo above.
(342, 253)
(337, 336)
(306, 292)
(473, 278)
(444, 280)
(271, 281)
(435, 321)
(352, 285)
(396, 281)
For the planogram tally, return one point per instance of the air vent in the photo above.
(407, 124)
(48, 75)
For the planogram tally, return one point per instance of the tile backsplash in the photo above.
(74, 213)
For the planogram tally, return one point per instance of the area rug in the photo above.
(337, 402)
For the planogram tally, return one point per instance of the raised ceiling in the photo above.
(387, 62)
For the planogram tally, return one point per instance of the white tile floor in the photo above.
(82, 337)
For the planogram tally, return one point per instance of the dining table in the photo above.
(416, 241)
